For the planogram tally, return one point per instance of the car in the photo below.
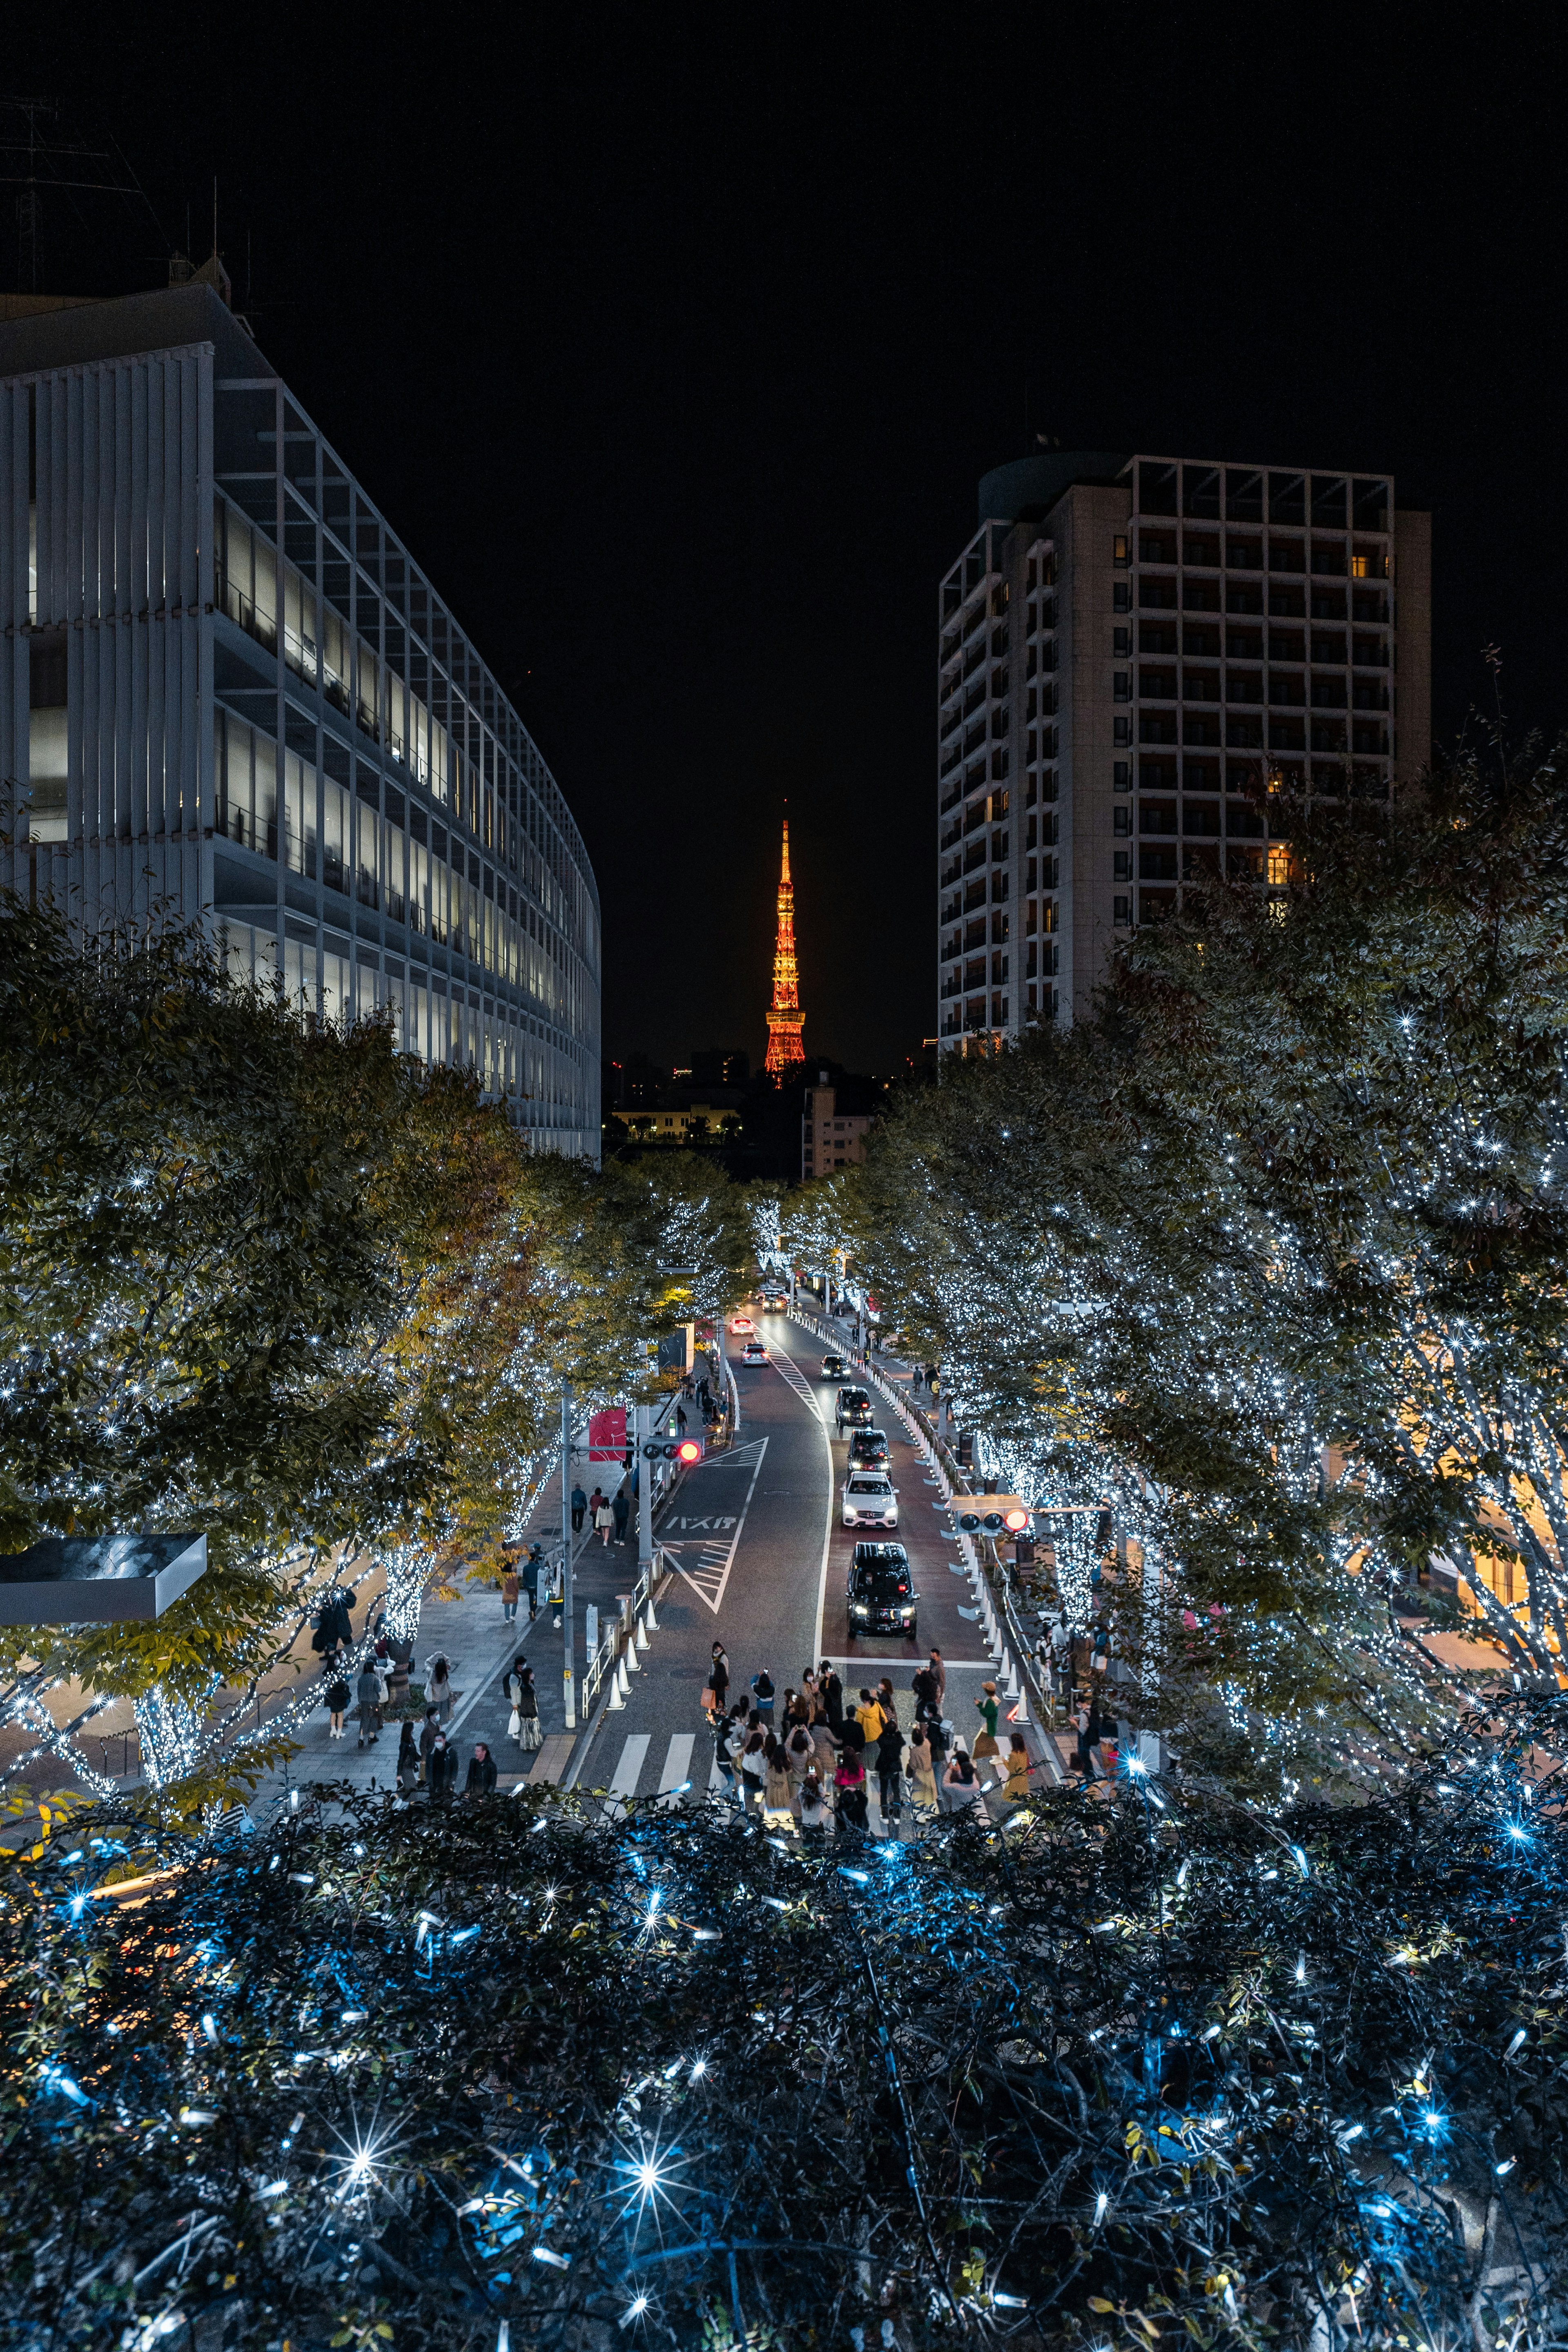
(753, 1352)
(775, 1301)
(867, 1449)
(881, 1596)
(739, 1323)
(853, 1409)
(832, 1368)
(869, 1499)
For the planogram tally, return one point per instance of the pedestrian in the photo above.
(938, 1672)
(914, 1377)
(762, 1697)
(438, 1687)
(338, 1696)
(1089, 1732)
(924, 1685)
(885, 1699)
(508, 1593)
(724, 1751)
(800, 1754)
(849, 1785)
(1018, 1768)
(368, 1692)
(939, 1740)
(603, 1520)
(852, 1733)
(442, 1768)
(962, 1782)
(753, 1771)
(681, 1419)
(813, 1808)
(832, 1698)
(623, 1510)
(986, 1704)
(868, 1716)
(534, 1568)
(719, 1679)
(579, 1505)
(889, 1771)
(481, 1780)
(429, 1731)
(408, 1761)
(529, 1734)
(778, 1796)
(918, 1764)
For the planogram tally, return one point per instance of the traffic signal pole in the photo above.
(645, 1487)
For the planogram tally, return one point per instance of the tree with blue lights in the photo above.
(1154, 2066)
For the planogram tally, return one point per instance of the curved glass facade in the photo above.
(244, 698)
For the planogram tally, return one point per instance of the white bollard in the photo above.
(642, 1634)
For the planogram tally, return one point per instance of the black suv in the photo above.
(832, 1368)
(867, 1449)
(883, 1597)
(854, 1409)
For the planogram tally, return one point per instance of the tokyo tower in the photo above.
(786, 1052)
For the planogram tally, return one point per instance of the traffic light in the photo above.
(669, 1449)
(994, 1514)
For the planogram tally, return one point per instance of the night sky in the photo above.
(674, 343)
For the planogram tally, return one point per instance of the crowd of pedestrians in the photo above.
(806, 1759)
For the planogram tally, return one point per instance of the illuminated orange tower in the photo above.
(786, 1052)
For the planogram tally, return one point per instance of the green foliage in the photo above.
(1237, 2077)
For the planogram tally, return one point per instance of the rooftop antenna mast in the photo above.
(36, 157)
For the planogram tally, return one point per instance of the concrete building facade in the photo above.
(1131, 652)
(232, 698)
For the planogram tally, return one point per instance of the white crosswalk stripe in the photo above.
(623, 1780)
(677, 1767)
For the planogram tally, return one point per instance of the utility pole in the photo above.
(568, 1683)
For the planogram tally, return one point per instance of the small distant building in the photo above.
(834, 1123)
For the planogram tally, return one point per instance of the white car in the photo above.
(739, 1323)
(753, 1352)
(870, 1500)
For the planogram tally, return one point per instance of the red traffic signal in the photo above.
(688, 1450)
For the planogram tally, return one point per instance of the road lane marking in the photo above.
(623, 1785)
(796, 1383)
(676, 1769)
(712, 1556)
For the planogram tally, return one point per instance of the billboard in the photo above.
(607, 1434)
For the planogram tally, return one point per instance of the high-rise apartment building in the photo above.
(233, 698)
(1132, 651)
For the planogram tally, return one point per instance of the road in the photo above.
(762, 1565)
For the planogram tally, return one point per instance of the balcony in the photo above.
(951, 872)
(1369, 694)
(951, 836)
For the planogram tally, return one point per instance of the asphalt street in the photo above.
(762, 1564)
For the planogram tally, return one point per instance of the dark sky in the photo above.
(674, 341)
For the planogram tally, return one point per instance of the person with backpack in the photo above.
(579, 1506)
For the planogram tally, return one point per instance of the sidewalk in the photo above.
(480, 1644)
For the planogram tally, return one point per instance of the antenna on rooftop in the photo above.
(37, 157)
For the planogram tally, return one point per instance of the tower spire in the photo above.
(786, 1052)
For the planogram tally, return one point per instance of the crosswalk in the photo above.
(634, 1776)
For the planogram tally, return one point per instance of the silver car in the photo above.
(870, 1500)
